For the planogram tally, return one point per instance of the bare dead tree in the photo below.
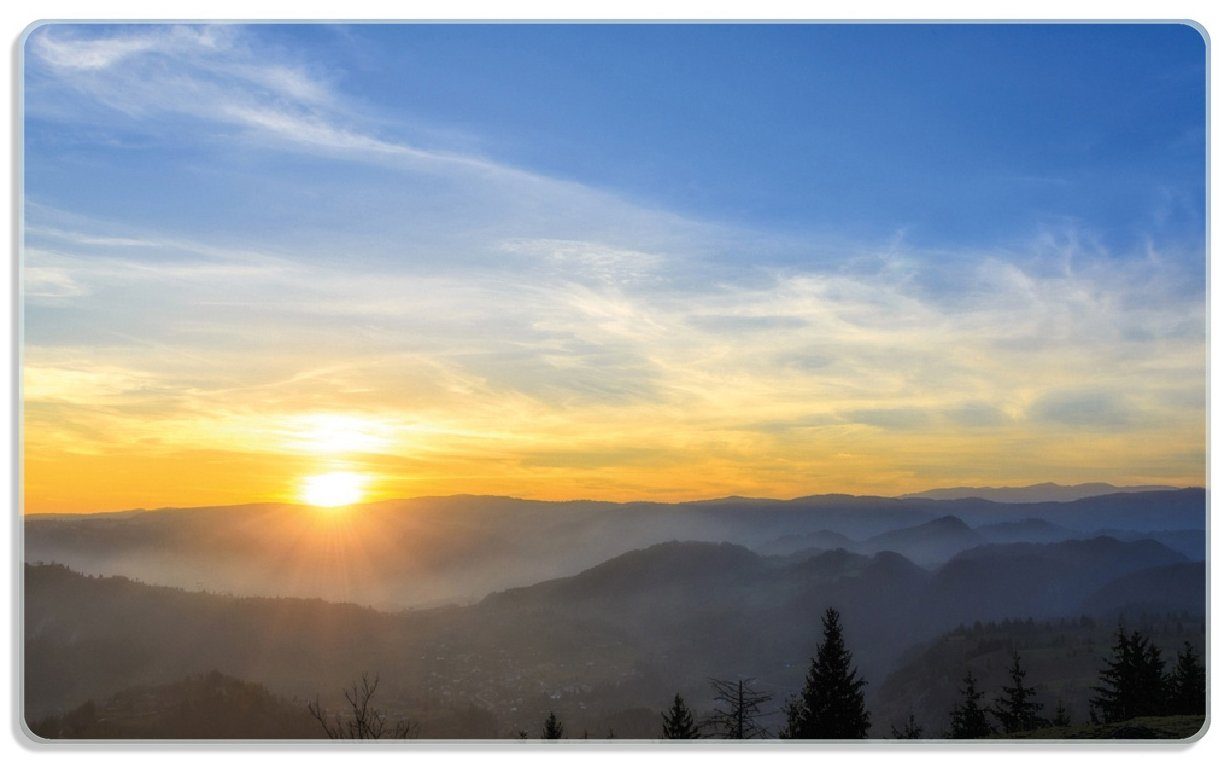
(364, 720)
(738, 710)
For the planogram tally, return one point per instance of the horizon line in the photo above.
(916, 495)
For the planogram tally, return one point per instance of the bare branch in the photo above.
(738, 710)
(365, 721)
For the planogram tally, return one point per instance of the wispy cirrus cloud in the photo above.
(66, 50)
(212, 73)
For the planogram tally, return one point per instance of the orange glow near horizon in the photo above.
(549, 460)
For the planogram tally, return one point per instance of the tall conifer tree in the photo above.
(1062, 717)
(832, 704)
(969, 717)
(911, 729)
(1133, 681)
(677, 723)
(1014, 708)
(1186, 684)
(552, 728)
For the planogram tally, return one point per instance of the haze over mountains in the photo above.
(597, 611)
(425, 551)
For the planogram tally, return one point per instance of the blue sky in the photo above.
(864, 233)
(967, 135)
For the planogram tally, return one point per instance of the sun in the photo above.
(333, 489)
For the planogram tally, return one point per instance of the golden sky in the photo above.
(850, 390)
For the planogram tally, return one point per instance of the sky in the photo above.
(617, 262)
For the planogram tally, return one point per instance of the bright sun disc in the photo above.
(333, 489)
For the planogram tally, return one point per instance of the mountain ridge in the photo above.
(1081, 490)
(1038, 492)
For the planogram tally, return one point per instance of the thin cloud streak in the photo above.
(208, 85)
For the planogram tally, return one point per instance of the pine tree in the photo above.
(677, 723)
(552, 728)
(831, 705)
(1062, 717)
(1133, 681)
(911, 729)
(1186, 684)
(1014, 709)
(969, 718)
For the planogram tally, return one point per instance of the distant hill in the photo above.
(1038, 493)
(1032, 530)
(1190, 543)
(68, 517)
(1173, 588)
(820, 540)
(929, 543)
(209, 706)
(935, 541)
(717, 567)
(1176, 509)
(1146, 511)
(998, 581)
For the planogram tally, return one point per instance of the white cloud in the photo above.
(65, 50)
(53, 283)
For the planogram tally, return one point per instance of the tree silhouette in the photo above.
(738, 710)
(1133, 681)
(552, 728)
(911, 729)
(1014, 708)
(831, 705)
(364, 721)
(1186, 684)
(677, 722)
(969, 717)
(1062, 718)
